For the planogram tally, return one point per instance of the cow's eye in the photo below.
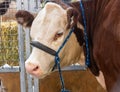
(57, 35)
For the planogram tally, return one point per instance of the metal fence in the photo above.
(8, 36)
(14, 43)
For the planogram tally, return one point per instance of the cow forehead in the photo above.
(50, 18)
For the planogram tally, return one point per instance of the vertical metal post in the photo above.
(28, 50)
(27, 42)
(21, 57)
(31, 5)
(21, 52)
(36, 85)
(28, 5)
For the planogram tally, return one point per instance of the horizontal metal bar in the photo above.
(11, 69)
(69, 68)
(73, 68)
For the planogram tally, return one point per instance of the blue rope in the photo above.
(85, 35)
(60, 74)
(66, 39)
(57, 60)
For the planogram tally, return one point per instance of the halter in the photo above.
(56, 53)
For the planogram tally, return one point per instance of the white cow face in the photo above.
(48, 28)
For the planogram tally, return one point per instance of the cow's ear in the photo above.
(72, 17)
(24, 18)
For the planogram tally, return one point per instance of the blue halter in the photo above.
(87, 63)
(57, 59)
(56, 53)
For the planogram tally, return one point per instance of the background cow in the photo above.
(4, 5)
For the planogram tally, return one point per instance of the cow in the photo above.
(103, 22)
(4, 5)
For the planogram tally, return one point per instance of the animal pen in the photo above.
(15, 47)
(14, 42)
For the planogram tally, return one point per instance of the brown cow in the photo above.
(103, 23)
(85, 78)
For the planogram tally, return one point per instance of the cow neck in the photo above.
(93, 11)
(89, 11)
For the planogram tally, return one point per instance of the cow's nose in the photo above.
(33, 69)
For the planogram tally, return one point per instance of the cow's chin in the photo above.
(39, 75)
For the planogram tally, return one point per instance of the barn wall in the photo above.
(75, 81)
(10, 82)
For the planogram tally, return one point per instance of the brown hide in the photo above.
(103, 28)
(104, 35)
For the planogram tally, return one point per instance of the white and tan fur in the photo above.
(46, 25)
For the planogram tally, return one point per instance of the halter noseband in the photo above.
(43, 47)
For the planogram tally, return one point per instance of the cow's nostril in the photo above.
(36, 68)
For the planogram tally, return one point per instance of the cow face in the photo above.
(50, 28)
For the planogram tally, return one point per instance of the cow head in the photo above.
(50, 27)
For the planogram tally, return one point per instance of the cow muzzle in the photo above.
(33, 69)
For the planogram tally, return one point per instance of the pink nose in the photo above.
(33, 69)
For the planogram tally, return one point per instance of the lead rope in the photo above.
(60, 74)
(57, 59)
(87, 63)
